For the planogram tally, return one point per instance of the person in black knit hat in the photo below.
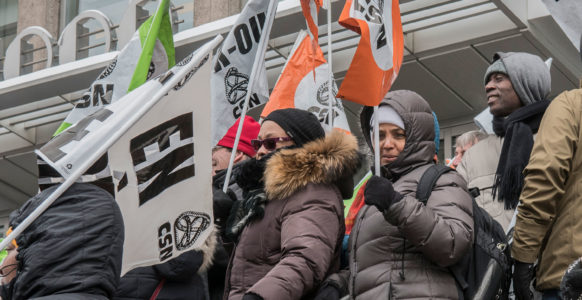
(288, 228)
(299, 125)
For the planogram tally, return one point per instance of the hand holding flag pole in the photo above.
(259, 58)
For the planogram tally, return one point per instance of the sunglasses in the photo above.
(270, 143)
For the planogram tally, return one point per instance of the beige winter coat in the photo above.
(478, 168)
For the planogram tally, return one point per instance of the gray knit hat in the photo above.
(496, 67)
(529, 75)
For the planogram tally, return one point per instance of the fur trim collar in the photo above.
(326, 161)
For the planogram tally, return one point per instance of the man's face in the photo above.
(8, 265)
(392, 141)
(220, 159)
(270, 129)
(501, 97)
(459, 152)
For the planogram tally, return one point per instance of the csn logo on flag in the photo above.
(235, 81)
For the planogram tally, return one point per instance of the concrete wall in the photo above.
(44, 13)
(209, 10)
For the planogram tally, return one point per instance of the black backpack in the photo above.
(485, 271)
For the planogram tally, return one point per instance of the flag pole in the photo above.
(77, 172)
(330, 96)
(376, 143)
(259, 60)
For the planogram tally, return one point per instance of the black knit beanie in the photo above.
(300, 125)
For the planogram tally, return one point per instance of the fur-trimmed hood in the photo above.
(329, 160)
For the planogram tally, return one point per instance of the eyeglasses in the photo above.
(270, 143)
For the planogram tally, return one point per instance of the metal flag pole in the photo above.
(259, 59)
(330, 95)
(376, 143)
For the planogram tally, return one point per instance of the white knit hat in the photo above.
(386, 114)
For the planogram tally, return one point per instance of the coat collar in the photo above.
(324, 161)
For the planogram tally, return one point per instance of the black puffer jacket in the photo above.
(181, 280)
(73, 250)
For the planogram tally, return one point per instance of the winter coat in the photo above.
(548, 226)
(73, 250)
(404, 253)
(478, 168)
(181, 277)
(288, 252)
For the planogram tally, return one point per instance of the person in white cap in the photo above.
(400, 248)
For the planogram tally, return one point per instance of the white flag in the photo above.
(159, 150)
(233, 64)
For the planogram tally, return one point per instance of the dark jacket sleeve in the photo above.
(443, 229)
(310, 232)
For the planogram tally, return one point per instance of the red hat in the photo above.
(250, 130)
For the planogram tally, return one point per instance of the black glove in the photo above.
(571, 286)
(251, 296)
(327, 292)
(523, 274)
(221, 204)
(380, 193)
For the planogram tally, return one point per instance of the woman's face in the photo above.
(392, 141)
(8, 265)
(270, 129)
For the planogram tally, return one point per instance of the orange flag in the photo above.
(379, 54)
(296, 87)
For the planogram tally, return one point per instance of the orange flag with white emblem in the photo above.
(379, 54)
(296, 87)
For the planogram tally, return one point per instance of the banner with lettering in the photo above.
(296, 87)
(379, 54)
(160, 161)
(233, 64)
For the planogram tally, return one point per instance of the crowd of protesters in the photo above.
(280, 222)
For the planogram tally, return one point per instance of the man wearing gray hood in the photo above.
(517, 86)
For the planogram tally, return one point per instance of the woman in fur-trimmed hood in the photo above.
(291, 220)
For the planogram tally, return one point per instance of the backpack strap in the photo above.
(423, 191)
(428, 180)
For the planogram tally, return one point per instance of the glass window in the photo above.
(8, 21)
(114, 10)
(441, 154)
